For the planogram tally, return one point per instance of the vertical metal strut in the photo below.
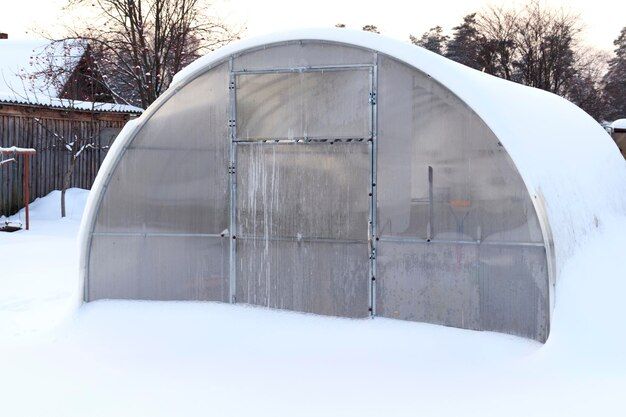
(373, 229)
(232, 180)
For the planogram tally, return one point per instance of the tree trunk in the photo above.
(66, 184)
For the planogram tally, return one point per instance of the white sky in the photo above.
(603, 19)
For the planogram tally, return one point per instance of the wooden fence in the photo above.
(38, 128)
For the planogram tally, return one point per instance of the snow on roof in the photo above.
(571, 167)
(619, 124)
(21, 59)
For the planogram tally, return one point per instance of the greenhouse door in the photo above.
(301, 189)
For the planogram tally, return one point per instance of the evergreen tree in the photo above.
(433, 40)
(371, 28)
(615, 80)
(466, 43)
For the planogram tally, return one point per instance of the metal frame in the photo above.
(232, 180)
(298, 70)
(315, 68)
(373, 227)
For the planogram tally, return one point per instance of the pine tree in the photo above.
(371, 28)
(465, 45)
(615, 80)
(433, 39)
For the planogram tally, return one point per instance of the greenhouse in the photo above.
(346, 174)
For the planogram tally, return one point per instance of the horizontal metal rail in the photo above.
(409, 239)
(317, 68)
(302, 140)
(156, 234)
(302, 239)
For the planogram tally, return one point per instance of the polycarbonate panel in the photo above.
(302, 216)
(473, 191)
(314, 277)
(158, 268)
(315, 104)
(174, 176)
(444, 176)
(167, 191)
(430, 282)
(483, 287)
(514, 290)
(302, 54)
(303, 190)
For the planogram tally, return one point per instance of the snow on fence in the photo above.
(32, 128)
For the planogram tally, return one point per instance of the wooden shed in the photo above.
(48, 119)
(618, 131)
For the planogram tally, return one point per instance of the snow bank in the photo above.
(134, 358)
(38, 282)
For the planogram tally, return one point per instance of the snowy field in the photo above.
(124, 358)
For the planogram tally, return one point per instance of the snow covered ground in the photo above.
(125, 358)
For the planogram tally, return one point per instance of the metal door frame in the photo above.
(372, 236)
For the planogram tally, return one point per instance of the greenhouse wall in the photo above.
(324, 178)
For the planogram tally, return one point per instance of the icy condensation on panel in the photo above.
(302, 215)
(314, 277)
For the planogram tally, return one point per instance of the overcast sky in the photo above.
(603, 19)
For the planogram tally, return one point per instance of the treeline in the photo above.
(539, 47)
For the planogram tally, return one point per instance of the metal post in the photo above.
(373, 229)
(232, 179)
(431, 208)
(26, 188)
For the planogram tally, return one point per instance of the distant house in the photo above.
(49, 92)
(618, 131)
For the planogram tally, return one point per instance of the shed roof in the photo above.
(20, 59)
(619, 124)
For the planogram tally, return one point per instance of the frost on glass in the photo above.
(322, 277)
(327, 104)
(302, 215)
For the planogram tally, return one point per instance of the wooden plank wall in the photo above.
(48, 166)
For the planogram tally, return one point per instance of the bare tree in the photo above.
(545, 43)
(51, 77)
(138, 45)
(80, 140)
(81, 137)
(498, 32)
